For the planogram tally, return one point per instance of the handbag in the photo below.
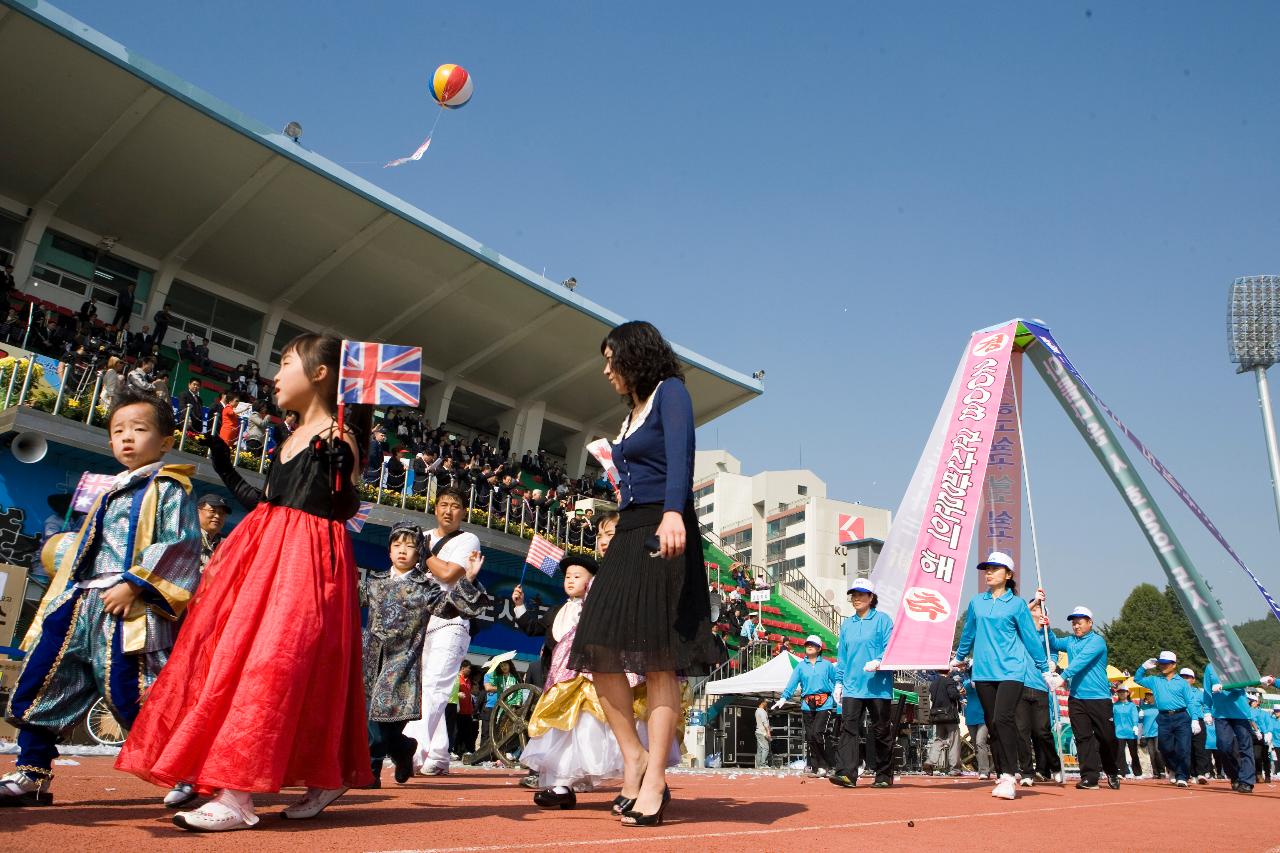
(816, 700)
(943, 715)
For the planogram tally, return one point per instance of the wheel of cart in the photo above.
(102, 724)
(509, 722)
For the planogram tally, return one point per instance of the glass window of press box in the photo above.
(285, 333)
(225, 323)
(88, 272)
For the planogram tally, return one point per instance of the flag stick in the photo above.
(337, 475)
(523, 569)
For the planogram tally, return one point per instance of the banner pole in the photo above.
(1216, 636)
(1044, 607)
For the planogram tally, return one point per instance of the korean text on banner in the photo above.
(1001, 510)
(924, 623)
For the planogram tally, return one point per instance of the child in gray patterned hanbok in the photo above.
(401, 600)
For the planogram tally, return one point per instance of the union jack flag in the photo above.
(356, 523)
(380, 374)
(544, 556)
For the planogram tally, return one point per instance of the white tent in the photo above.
(769, 677)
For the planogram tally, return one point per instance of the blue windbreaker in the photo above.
(817, 677)
(863, 640)
(1000, 634)
(1086, 672)
(1125, 715)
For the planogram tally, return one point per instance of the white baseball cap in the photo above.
(997, 558)
(814, 640)
(1167, 657)
(1080, 611)
(1187, 672)
(862, 585)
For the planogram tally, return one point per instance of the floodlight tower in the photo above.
(1253, 332)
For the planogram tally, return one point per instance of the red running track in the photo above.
(485, 810)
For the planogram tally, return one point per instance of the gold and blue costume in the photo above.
(143, 531)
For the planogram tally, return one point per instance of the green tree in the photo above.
(1261, 638)
(1150, 621)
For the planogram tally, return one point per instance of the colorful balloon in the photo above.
(451, 86)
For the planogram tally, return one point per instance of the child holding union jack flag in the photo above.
(264, 689)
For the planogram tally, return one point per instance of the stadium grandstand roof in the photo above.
(118, 146)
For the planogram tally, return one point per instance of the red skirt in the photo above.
(264, 689)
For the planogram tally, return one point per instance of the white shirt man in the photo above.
(447, 639)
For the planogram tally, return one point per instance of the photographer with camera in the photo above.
(944, 714)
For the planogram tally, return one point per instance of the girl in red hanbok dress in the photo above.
(264, 689)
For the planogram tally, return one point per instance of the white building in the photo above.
(784, 521)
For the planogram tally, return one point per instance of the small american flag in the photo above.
(380, 374)
(88, 489)
(356, 523)
(544, 556)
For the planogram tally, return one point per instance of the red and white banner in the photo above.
(931, 576)
(1001, 509)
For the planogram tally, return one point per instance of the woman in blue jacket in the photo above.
(1000, 635)
(1125, 715)
(863, 689)
(815, 678)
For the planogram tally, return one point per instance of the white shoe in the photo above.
(1202, 780)
(433, 770)
(1027, 782)
(312, 804)
(1005, 789)
(21, 788)
(180, 795)
(1181, 783)
(228, 811)
(822, 773)
(1059, 778)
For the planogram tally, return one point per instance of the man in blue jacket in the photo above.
(1228, 711)
(1090, 698)
(1173, 698)
(815, 678)
(863, 688)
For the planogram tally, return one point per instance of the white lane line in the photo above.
(744, 833)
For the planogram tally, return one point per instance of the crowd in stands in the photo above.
(529, 489)
(532, 490)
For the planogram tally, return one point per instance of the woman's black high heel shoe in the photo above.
(622, 804)
(655, 819)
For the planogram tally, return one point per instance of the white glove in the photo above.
(1195, 727)
(1268, 680)
(1208, 719)
(1053, 680)
(871, 666)
(1149, 663)
(1217, 688)
(1267, 738)
(1137, 731)
(778, 704)
(838, 693)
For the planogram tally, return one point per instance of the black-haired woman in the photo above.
(648, 611)
(999, 632)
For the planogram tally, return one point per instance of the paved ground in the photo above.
(484, 810)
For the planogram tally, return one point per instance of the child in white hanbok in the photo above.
(570, 746)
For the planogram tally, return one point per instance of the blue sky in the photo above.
(839, 193)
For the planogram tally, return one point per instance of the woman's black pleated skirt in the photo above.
(646, 614)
